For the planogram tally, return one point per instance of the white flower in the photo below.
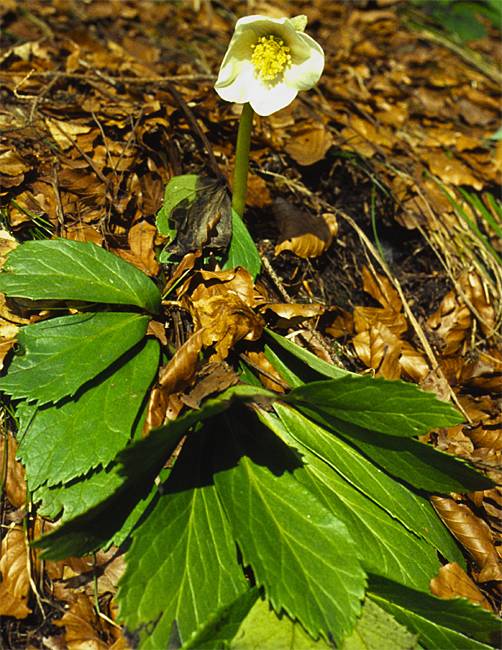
(267, 62)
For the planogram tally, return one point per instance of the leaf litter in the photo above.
(104, 104)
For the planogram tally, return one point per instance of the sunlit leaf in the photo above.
(66, 441)
(58, 356)
(301, 553)
(61, 269)
(183, 562)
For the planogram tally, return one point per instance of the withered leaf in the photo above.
(15, 584)
(304, 234)
(473, 533)
(450, 322)
(309, 145)
(13, 480)
(292, 314)
(203, 221)
(453, 582)
(380, 349)
(81, 625)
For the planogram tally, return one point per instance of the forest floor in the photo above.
(373, 199)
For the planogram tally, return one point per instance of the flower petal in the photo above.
(266, 100)
(305, 72)
(238, 86)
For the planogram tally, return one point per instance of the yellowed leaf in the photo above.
(300, 232)
(380, 349)
(450, 170)
(13, 480)
(81, 625)
(64, 133)
(12, 164)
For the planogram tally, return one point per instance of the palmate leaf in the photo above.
(394, 408)
(413, 511)
(223, 624)
(137, 467)
(383, 545)
(300, 553)
(416, 463)
(58, 356)
(440, 623)
(378, 630)
(61, 269)
(262, 628)
(66, 441)
(182, 564)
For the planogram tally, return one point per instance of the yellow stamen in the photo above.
(270, 57)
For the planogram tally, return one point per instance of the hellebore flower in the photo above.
(267, 62)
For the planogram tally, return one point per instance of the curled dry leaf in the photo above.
(478, 296)
(141, 242)
(181, 368)
(292, 314)
(450, 323)
(472, 533)
(309, 145)
(206, 284)
(450, 170)
(342, 325)
(300, 232)
(12, 481)
(380, 349)
(380, 288)
(453, 582)
(15, 584)
(268, 375)
(12, 164)
(82, 625)
(489, 438)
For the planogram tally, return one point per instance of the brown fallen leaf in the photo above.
(11, 163)
(12, 482)
(472, 533)
(450, 323)
(180, 369)
(300, 232)
(267, 374)
(380, 349)
(381, 289)
(453, 582)
(15, 584)
(141, 242)
(81, 625)
(478, 296)
(310, 144)
(292, 314)
(450, 169)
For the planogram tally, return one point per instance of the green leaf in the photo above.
(378, 630)
(67, 441)
(391, 407)
(309, 360)
(383, 545)
(61, 269)
(413, 511)
(242, 250)
(439, 623)
(223, 624)
(299, 551)
(60, 355)
(177, 190)
(182, 564)
(416, 463)
(137, 466)
(263, 629)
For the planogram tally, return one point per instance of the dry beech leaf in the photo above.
(453, 582)
(64, 132)
(472, 533)
(300, 232)
(11, 163)
(83, 232)
(367, 317)
(212, 378)
(413, 363)
(343, 324)
(292, 314)
(15, 584)
(450, 322)
(266, 372)
(489, 438)
(81, 625)
(218, 283)
(380, 349)
(309, 145)
(141, 242)
(473, 288)
(380, 288)
(13, 483)
(450, 170)
(181, 368)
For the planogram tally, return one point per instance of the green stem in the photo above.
(242, 160)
